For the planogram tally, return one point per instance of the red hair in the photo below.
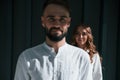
(89, 44)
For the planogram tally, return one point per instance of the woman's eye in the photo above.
(84, 33)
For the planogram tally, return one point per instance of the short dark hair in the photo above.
(63, 3)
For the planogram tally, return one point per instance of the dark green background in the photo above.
(20, 28)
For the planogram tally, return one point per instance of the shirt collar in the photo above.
(51, 49)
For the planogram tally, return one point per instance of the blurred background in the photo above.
(20, 28)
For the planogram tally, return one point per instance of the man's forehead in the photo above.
(55, 6)
(55, 10)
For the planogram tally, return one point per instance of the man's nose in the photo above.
(57, 23)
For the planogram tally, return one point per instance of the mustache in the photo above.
(56, 28)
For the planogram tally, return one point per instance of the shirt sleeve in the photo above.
(97, 68)
(86, 71)
(21, 72)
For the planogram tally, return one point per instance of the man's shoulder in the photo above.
(77, 50)
(31, 50)
(71, 46)
(36, 47)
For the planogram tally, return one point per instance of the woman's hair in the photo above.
(90, 47)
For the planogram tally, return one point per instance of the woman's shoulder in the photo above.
(96, 55)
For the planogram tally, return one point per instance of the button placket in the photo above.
(55, 69)
(57, 65)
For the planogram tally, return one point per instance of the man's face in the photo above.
(56, 21)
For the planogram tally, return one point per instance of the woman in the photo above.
(83, 38)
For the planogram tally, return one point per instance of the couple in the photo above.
(55, 59)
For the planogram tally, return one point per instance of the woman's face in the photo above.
(81, 37)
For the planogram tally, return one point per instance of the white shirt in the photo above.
(42, 63)
(96, 68)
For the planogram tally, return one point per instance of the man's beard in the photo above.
(54, 36)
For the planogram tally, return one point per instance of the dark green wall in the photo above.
(20, 28)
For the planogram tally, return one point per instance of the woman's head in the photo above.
(83, 38)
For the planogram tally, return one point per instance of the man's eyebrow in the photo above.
(64, 16)
(50, 16)
(60, 16)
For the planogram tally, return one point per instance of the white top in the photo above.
(97, 68)
(42, 63)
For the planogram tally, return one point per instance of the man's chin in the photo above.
(55, 38)
(56, 34)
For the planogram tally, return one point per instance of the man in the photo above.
(54, 59)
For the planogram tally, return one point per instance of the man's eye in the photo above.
(62, 20)
(51, 19)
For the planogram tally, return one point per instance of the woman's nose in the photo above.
(80, 35)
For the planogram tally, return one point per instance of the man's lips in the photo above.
(56, 30)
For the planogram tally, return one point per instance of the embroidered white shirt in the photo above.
(97, 68)
(42, 63)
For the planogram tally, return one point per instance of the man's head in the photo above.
(56, 19)
(63, 3)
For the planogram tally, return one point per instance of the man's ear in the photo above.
(42, 21)
(43, 25)
(69, 21)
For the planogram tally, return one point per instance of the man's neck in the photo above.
(55, 45)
